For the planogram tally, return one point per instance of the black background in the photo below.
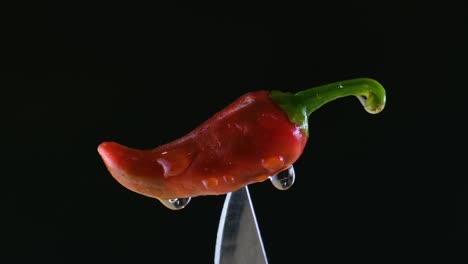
(76, 74)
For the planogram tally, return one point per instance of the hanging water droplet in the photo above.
(362, 99)
(176, 203)
(284, 180)
(210, 183)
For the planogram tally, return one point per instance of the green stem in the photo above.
(300, 105)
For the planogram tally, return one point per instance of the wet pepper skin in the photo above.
(248, 141)
(259, 135)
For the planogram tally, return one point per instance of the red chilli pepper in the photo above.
(257, 136)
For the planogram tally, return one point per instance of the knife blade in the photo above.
(238, 239)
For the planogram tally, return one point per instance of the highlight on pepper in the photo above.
(257, 137)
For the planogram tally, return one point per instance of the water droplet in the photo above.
(362, 99)
(174, 162)
(229, 179)
(284, 180)
(176, 203)
(210, 183)
(273, 163)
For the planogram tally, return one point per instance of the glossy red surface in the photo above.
(248, 141)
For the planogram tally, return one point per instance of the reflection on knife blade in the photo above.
(238, 239)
